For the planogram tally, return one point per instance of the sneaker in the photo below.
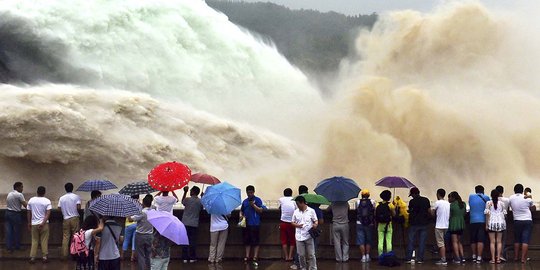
(45, 260)
(419, 262)
(192, 261)
(185, 261)
(479, 261)
(293, 266)
(364, 260)
(409, 261)
(441, 262)
(457, 261)
(503, 259)
(32, 260)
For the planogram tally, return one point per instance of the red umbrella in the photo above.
(169, 176)
(206, 179)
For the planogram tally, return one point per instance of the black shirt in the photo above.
(419, 211)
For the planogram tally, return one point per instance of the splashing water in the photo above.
(447, 99)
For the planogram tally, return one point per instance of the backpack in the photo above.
(389, 259)
(383, 213)
(365, 212)
(78, 247)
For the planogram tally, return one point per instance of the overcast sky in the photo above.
(352, 7)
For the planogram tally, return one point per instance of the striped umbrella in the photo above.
(115, 205)
(136, 188)
(91, 185)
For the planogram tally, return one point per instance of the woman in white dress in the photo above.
(495, 225)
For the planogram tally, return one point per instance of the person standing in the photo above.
(286, 230)
(190, 218)
(219, 229)
(365, 220)
(93, 195)
(418, 219)
(39, 211)
(506, 202)
(340, 230)
(523, 224)
(164, 202)
(458, 209)
(477, 202)
(442, 212)
(106, 249)
(383, 215)
(144, 235)
(251, 210)
(161, 252)
(15, 202)
(495, 225)
(130, 227)
(304, 219)
(91, 227)
(69, 204)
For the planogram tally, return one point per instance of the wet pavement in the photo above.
(270, 265)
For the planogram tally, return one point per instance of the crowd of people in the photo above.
(299, 226)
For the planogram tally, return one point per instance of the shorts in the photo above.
(364, 234)
(458, 232)
(251, 235)
(522, 231)
(287, 234)
(478, 232)
(440, 236)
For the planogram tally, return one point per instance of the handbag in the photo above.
(242, 222)
(315, 232)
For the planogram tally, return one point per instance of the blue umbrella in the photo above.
(338, 189)
(91, 185)
(221, 199)
(115, 205)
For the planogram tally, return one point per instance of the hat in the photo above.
(365, 192)
(414, 191)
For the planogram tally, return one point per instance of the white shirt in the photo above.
(88, 238)
(14, 201)
(165, 203)
(39, 207)
(306, 218)
(442, 209)
(218, 223)
(521, 207)
(506, 202)
(287, 206)
(68, 204)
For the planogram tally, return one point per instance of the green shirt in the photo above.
(457, 217)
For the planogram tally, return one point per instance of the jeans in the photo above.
(69, 227)
(422, 231)
(40, 237)
(143, 245)
(129, 237)
(159, 263)
(340, 234)
(306, 252)
(217, 245)
(189, 252)
(13, 230)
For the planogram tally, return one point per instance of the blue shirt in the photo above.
(478, 206)
(252, 217)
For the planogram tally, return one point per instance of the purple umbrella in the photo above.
(395, 182)
(169, 226)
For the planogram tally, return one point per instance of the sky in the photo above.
(353, 7)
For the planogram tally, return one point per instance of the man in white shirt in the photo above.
(521, 209)
(304, 218)
(39, 211)
(14, 202)
(164, 202)
(442, 211)
(286, 230)
(69, 204)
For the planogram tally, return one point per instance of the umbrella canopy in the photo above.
(338, 189)
(221, 199)
(314, 198)
(115, 205)
(395, 182)
(136, 188)
(169, 176)
(169, 226)
(206, 179)
(91, 185)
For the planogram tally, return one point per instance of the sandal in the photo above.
(492, 261)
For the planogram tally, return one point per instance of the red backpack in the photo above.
(78, 246)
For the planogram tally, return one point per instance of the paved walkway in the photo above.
(271, 265)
